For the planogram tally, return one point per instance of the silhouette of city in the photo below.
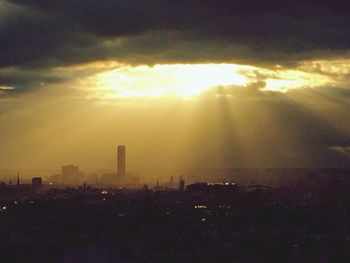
(253, 215)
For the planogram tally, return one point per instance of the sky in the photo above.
(183, 84)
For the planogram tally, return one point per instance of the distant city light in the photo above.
(200, 206)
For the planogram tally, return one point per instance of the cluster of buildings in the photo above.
(71, 175)
(209, 222)
(10, 189)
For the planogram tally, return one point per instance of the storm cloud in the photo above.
(48, 32)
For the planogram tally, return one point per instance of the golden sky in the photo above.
(173, 116)
(237, 84)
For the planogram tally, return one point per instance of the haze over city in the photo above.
(192, 84)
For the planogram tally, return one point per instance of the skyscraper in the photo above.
(121, 161)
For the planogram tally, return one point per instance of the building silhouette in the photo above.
(121, 161)
(37, 183)
(71, 174)
(182, 185)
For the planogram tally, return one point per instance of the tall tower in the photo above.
(121, 161)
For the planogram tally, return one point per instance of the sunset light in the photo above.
(184, 81)
(191, 80)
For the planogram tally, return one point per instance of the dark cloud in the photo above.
(19, 80)
(75, 30)
(43, 34)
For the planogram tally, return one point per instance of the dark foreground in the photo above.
(248, 225)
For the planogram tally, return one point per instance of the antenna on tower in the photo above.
(18, 179)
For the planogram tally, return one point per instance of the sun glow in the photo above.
(177, 80)
(190, 80)
(5, 88)
(293, 79)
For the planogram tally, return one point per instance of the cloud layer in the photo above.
(40, 35)
(48, 32)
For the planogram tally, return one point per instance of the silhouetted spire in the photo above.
(18, 179)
